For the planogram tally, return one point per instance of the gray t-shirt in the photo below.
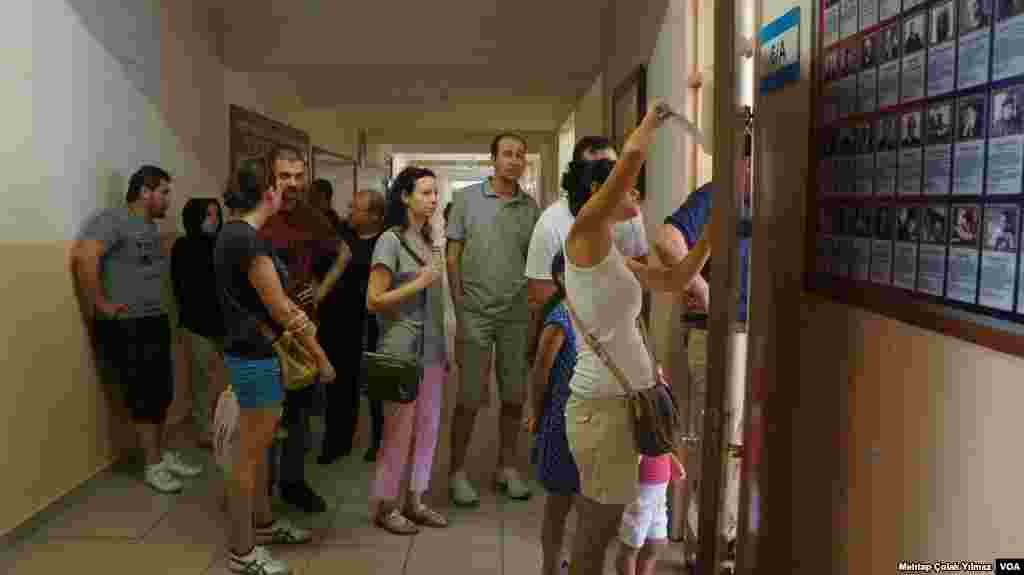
(401, 328)
(133, 263)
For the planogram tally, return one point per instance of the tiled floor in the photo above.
(113, 524)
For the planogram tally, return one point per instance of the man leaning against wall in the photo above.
(120, 265)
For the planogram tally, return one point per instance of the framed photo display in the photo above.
(917, 191)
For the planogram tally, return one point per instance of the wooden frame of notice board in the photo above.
(253, 135)
(917, 180)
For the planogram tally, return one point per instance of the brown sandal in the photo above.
(394, 522)
(423, 515)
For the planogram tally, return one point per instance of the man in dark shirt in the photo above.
(299, 233)
(345, 323)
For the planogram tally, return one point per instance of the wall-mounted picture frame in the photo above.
(253, 135)
(629, 104)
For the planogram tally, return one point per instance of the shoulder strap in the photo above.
(599, 349)
(405, 244)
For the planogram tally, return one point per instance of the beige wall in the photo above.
(87, 103)
(590, 118)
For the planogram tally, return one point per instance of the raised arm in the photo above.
(337, 269)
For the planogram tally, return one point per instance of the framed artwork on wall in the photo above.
(254, 136)
(629, 104)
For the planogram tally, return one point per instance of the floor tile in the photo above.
(335, 559)
(119, 509)
(453, 555)
(112, 558)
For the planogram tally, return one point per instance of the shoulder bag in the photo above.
(657, 424)
(298, 366)
(394, 377)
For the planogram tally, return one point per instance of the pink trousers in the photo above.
(410, 437)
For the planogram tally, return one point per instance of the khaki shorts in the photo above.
(483, 339)
(600, 433)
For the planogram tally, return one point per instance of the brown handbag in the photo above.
(657, 423)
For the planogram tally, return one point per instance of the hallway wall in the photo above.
(91, 93)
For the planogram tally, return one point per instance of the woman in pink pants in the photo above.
(408, 301)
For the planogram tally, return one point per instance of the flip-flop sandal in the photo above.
(424, 515)
(396, 523)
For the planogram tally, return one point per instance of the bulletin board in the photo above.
(915, 208)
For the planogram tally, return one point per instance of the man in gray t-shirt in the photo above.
(119, 264)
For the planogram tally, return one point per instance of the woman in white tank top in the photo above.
(605, 290)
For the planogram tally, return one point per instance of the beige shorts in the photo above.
(600, 433)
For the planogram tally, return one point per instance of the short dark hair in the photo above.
(403, 185)
(248, 184)
(322, 186)
(558, 270)
(510, 135)
(591, 144)
(284, 152)
(447, 211)
(580, 178)
(146, 176)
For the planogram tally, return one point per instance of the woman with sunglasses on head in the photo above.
(251, 285)
(604, 292)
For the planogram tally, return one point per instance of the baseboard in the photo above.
(30, 523)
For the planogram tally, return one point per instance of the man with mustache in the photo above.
(300, 234)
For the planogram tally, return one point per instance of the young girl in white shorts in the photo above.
(644, 529)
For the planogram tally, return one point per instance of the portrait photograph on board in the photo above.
(867, 88)
(911, 153)
(969, 151)
(963, 254)
(862, 243)
(1006, 142)
(942, 49)
(889, 66)
(999, 256)
(938, 156)
(865, 160)
(931, 273)
(973, 43)
(887, 158)
(904, 267)
(881, 246)
(915, 27)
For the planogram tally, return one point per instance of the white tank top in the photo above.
(608, 299)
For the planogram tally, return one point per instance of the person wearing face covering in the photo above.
(200, 319)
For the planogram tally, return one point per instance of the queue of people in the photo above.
(529, 290)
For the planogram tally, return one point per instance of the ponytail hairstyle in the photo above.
(247, 185)
(579, 179)
(558, 275)
(398, 213)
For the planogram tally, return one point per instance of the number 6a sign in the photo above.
(780, 51)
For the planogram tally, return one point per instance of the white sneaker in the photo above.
(176, 465)
(462, 492)
(159, 478)
(283, 532)
(514, 487)
(257, 562)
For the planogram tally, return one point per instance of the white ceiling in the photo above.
(408, 53)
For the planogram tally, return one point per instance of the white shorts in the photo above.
(646, 519)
